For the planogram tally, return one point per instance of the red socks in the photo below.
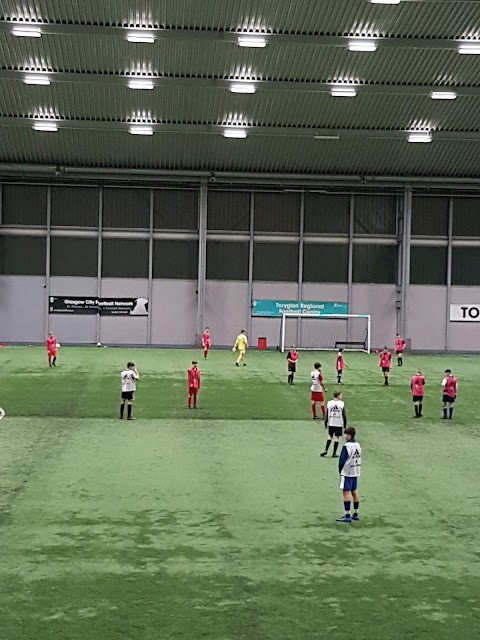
(323, 411)
(205, 353)
(314, 409)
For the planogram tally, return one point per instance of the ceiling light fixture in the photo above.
(27, 32)
(326, 137)
(252, 41)
(141, 36)
(235, 133)
(385, 1)
(420, 136)
(343, 92)
(40, 79)
(44, 125)
(469, 49)
(241, 87)
(141, 130)
(362, 45)
(140, 84)
(443, 95)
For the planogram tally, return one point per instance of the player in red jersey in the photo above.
(417, 385)
(292, 359)
(193, 384)
(51, 345)
(206, 342)
(450, 388)
(385, 362)
(340, 365)
(399, 349)
(317, 390)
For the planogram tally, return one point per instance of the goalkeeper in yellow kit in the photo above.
(241, 344)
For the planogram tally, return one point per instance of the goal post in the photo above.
(325, 332)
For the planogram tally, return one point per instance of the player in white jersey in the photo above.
(317, 390)
(349, 466)
(129, 379)
(335, 422)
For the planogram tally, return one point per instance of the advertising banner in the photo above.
(276, 308)
(90, 305)
(465, 313)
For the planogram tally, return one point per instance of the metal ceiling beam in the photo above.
(327, 183)
(225, 83)
(212, 35)
(330, 135)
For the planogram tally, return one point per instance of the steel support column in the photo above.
(405, 272)
(202, 256)
(250, 267)
(99, 258)
(47, 261)
(449, 274)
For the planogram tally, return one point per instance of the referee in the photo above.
(335, 422)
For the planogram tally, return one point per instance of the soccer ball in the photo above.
(58, 345)
(234, 349)
(99, 344)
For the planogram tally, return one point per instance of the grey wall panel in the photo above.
(270, 327)
(326, 213)
(175, 259)
(123, 330)
(375, 263)
(228, 211)
(428, 265)
(466, 216)
(466, 266)
(75, 206)
(24, 205)
(124, 258)
(379, 302)
(72, 328)
(174, 308)
(73, 256)
(375, 214)
(227, 260)
(325, 292)
(175, 209)
(430, 215)
(22, 256)
(325, 263)
(464, 336)
(426, 317)
(226, 310)
(22, 309)
(126, 208)
(276, 212)
(274, 262)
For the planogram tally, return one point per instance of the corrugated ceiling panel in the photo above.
(212, 152)
(442, 18)
(225, 60)
(218, 106)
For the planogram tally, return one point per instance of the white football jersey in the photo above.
(129, 379)
(352, 466)
(335, 410)
(316, 376)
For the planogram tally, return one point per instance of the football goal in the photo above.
(325, 332)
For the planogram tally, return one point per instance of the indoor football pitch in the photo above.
(219, 523)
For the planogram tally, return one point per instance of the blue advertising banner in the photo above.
(276, 308)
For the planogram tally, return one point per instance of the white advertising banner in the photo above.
(465, 313)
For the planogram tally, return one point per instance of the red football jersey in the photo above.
(194, 378)
(51, 343)
(399, 344)
(340, 362)
(418, 385)
(385, 359)
(450, 387)
(292, 356)
(206, 338)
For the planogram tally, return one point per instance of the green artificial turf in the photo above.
(220, 524)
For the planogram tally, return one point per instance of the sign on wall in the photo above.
(104, 306)
(276, 308)
(465, 313)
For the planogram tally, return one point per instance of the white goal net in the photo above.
(325, 332)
